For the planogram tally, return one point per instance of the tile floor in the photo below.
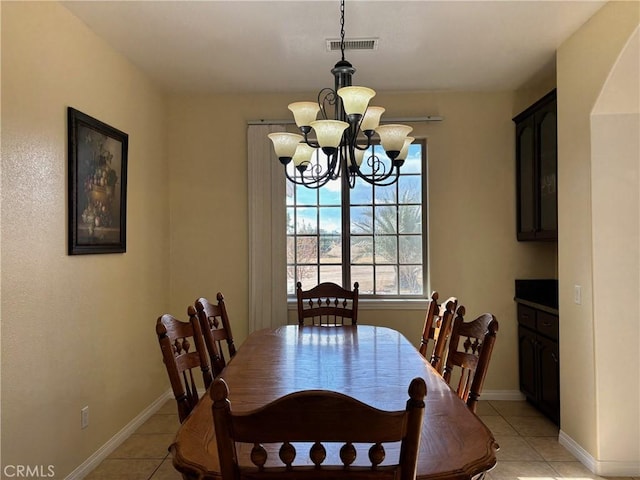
(529, 447)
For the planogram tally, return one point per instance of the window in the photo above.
(371, 235)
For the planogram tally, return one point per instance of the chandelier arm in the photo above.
(310, 142)
(362, 147)
(333, 164)
(378, 181)
(352, 178)
(305, 133)
(327, 96)
(368, 134)
(377, 166)
(317, 175)
(316, 182)
(351, 134)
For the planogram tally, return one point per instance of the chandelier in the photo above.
(344, 133)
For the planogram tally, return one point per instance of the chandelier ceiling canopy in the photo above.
(345, 131)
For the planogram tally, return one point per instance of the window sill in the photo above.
(381, 304)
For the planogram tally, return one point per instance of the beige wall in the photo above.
(527, 96)
(473, 249)
(587, 188)
(71, 326)
(76, 330)
(615, 179)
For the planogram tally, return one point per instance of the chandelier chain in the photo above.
(342, 28)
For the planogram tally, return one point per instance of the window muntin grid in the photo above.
(379, 243)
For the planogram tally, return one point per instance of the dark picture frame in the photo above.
(97, 185)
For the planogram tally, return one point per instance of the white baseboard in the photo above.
(580, 453)
(513, 395)
(114, 442)
(608, 469)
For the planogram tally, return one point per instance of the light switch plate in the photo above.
(84, 417)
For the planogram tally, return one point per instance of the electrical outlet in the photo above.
(577, 294)
(84, 417)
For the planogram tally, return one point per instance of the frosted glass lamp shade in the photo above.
(304, 112)
(371, 118)
(285, 144)
(392, 136)
(329, 132)
(303, 154)
(355, 99)
(405, 148)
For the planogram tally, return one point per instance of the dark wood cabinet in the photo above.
(528, 355)
(536, 170)
(539, 364)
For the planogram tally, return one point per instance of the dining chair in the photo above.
(325, 420)
(470, 349)
(442, 325)
(427, 329)
(436, 329)
(216, 330)
(183, 351)
(327, 304)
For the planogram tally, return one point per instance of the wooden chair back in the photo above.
(327, 304)
(428, 330)
(470, 349)
(322, 419)
(442, 331)
(216, 330)
(183, 351)
(437, 329)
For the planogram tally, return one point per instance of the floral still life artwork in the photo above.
(97, 186)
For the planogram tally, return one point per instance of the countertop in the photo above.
(541, 294)
(537, 306)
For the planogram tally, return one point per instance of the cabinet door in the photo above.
(536, 157)
(527, 363)
(526, 174)
(549, 400)
(547, 325)
(545, 121)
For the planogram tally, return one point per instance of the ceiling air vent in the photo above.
(352, 44)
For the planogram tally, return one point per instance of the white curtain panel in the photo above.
(267, 235)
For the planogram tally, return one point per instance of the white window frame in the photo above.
(268, 301)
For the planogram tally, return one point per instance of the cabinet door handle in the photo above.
(554, 356)
(546, 324)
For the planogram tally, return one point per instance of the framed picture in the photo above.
(97, 186)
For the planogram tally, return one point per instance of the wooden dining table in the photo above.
(373, 364)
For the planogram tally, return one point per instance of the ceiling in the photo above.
(280, 46)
